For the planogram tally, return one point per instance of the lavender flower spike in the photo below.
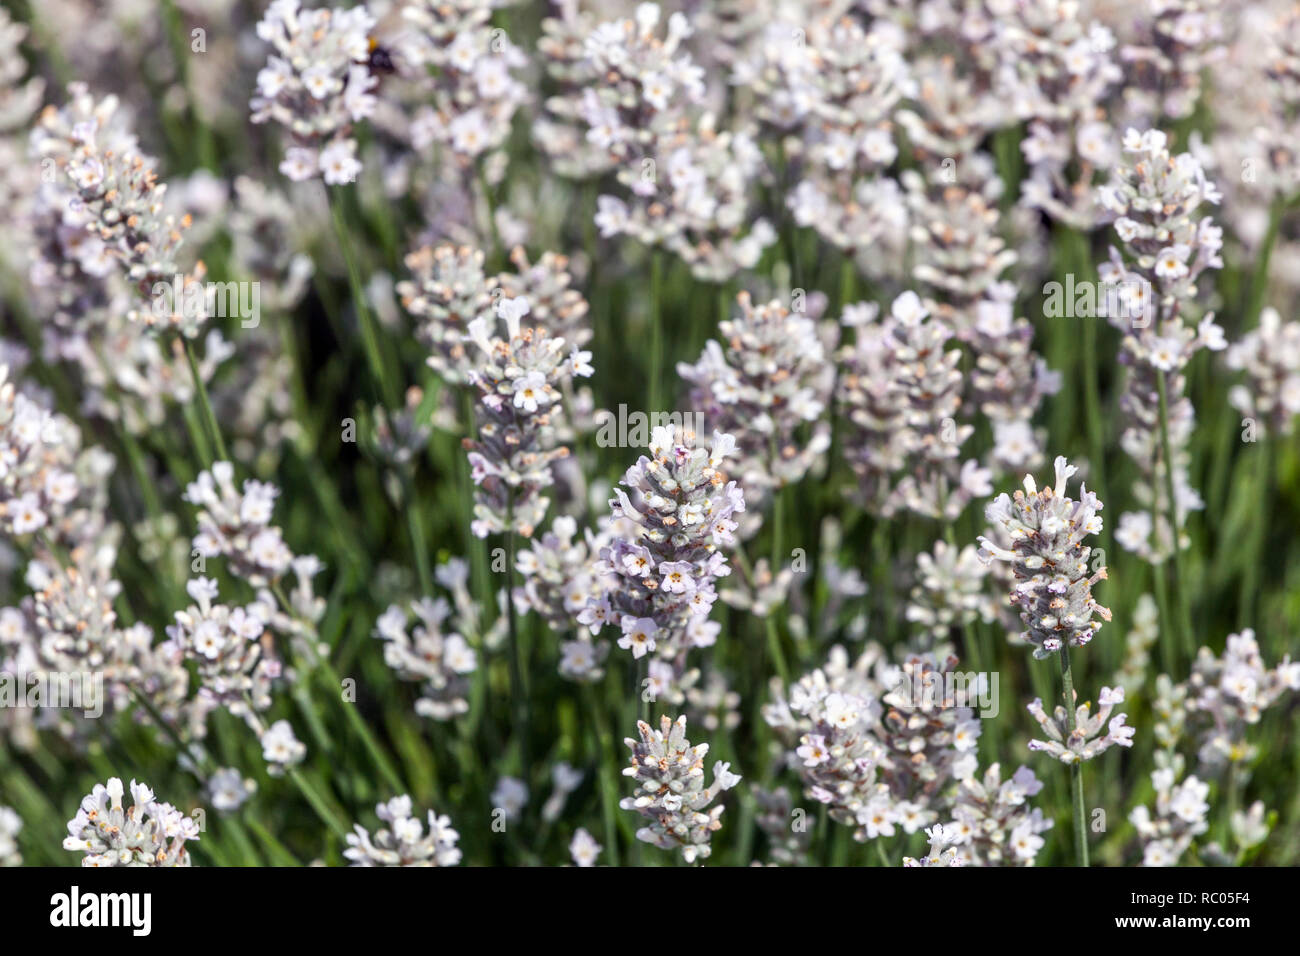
(670, 789)
(1053, 585)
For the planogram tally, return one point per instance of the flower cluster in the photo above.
(1227, 694)
(149, 833)
(1178, 41)
(992, 822)
(1057, 70)
(40, 460)
(1053, 585)
(788, 836)
(446, 292)
(943, 849)
(468, 63)
(767, 384)
(404, 841)
(671, 794)
(949, 591)
(877, 743)
(901, 392)
(234, 654)
(520, 380)
(118, 207)
(316, 85)
(833, 84)
(1180, 816)
(1270, 358)
(1155, 197)
(699, 205)
(547, 284)
(429, 654)
(1085, 742)
(636, 84)
(658, 577)
(236, 525)
(556, 569)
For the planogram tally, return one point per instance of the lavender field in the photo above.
(716, 432)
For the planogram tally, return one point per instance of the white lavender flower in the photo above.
(1177, 41)
(234, 655)
(788, 836)
(510, 796)
(699, 205)
(228, 789)
(671, 794)
(1270, 358)
(316, 85)
(878, 743)
(1057, 71)
(635, 85)
(564, 780)
(236, 525)
(281, 749)
(767, 383)
(1154, 198)
(1180, 816)
(10, 825)
(658, 577)
(949, 591)
(446, 292)
(943, 849)
(901, 392)
(1228, 693)
(555, 568)
(834, 84)
(1053, 586)
(468, 66)
(149, 833)
(519, 379)
(583, 848)
(404, 841)
(430, 654)
(1142, 634)
(1087, 741)
(993, 824)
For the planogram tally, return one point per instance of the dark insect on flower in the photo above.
(380, 62)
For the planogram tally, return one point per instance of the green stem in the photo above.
(1263, 490)
(656, 329)
(1166, 452)
(318, 803)
(205, 404)
(369, 330)
(1076, 769)
(604, 765)
(518, 692)
(358, 725)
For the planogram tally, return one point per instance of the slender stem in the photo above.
(1166, 452)
(205, 404)
(774, 648)
(1081, 255)
(318, 803)
(493, 231)
(369, 330)
(1076, 769)
(518, 692)
(604, 766)
(359, 726)
(415, 528)
(656, 328)
(1263, 491)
